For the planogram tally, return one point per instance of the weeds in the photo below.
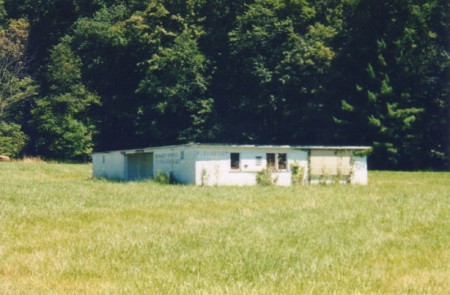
(297, 174)
(264, 177)
(164, 178)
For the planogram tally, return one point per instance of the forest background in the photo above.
(84, 75)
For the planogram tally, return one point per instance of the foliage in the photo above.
(297, 174)
(15, 84)
(2, 11)
(12, 139)
(264, 177)
(164, 178)
(64, 131)
(124, 74)
(392, 97)
(176, 83)
(283, 55)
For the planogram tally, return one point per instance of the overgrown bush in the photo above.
(297, 174)
(164, 178)
(264, 177)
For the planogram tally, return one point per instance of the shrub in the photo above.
(297, 174)
(164, 178)
(264, 177)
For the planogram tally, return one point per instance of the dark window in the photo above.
(270, 161)
(282, 160)
(235, 160)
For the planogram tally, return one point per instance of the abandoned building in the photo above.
(215, 164)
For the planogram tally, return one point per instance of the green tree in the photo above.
(282, 53)
(269, 71)
(120, 46)
(139, 60)
(12, 139)
(61, 118)
(49, 21)
(113, 45)
(177, 83)
(2, 11)
(16, 85)
(390, 74)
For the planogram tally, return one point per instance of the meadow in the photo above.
(62, 232)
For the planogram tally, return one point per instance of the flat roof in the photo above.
(315, 147)
(249, 146)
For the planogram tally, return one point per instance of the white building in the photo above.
(213, 164)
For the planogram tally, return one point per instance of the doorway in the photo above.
(140, 166)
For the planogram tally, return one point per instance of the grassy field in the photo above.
(63, 232)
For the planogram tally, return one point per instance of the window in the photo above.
(282, 161)
(270, 161)
(234, 161)
(258, 161)
(276, 161)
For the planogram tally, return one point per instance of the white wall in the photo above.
(213, 165)
(180, 161)
(359, 170)
(210, 165)
(110, 165)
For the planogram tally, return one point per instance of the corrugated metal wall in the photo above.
(330, 163)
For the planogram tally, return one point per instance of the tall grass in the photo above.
(63, 232)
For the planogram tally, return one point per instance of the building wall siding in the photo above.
(109, 165)
(211, 165)
(179, 161)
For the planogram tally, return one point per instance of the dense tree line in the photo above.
(83, 75)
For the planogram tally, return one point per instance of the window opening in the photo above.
(258, 161)
(270, 157)
(276, 161)
(282, 160)
(234, 161)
